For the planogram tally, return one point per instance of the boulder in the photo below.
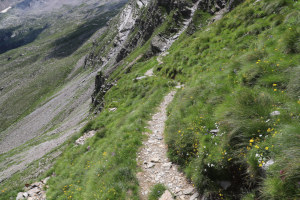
(158, 44)
(188, 191)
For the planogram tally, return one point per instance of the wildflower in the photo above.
(269, 130)
(274, 85)
(275, 90)
(104, 153)
(256, 146)
(267, 148)
(260, 165)
(251, 140)
(277, 65)
(229, 159)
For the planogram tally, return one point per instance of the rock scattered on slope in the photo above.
(34, 191)
(82, 139)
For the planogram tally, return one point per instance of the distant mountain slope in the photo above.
(44, 89)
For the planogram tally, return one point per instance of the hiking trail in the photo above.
(155, 165)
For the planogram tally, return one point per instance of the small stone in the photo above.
(20, 196)
(224, 184)
(25, 195)
(188, 191)
(167, 165)
(214, 131)
(275, 113)
(194, 196)
(112, 109)
(150, 165)
(33, 191)
(159, 138)
(166, 196)
(155, 159)
(268, 164)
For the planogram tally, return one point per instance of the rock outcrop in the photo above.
(135, 25)
(34, 191)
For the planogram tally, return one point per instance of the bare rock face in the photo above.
(158, 44)
(101, 87)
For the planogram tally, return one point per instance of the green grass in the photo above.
(236, 73)
(157, 191)
(107, 170)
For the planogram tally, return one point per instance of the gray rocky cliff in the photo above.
(135, 25)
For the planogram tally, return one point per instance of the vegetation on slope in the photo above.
(222, 128)
(105, 166)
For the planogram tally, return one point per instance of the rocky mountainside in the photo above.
(138, 24)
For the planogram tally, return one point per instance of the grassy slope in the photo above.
(236, 72)
(40, 76)
(107, 170)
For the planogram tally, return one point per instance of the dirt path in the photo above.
(156, 167)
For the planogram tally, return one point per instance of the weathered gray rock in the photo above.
(167, 166)
(82, 139)
(33, 191)
(158, 44)
(188, 191)
(155, 159)
(150, 165)
(194, 196)
(214, 131)
(166, 196)
(20, 196)
(275, 113)
(25, 195)
(224, 184)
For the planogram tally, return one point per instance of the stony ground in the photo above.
(156, 167)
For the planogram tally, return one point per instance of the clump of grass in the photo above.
(290, 42)
(157, 191)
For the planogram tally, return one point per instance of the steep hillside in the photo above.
(44, 90)
(233, 125)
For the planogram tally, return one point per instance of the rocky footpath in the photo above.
(35, 191)
(155, 165)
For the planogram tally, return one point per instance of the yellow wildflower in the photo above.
(267, 148)
(256, 146)
(274, 85)
(251, 140)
